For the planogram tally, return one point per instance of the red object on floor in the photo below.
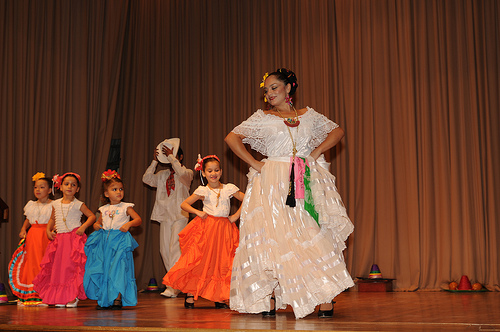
(464, 283)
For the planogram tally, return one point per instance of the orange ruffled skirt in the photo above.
(25, 263)
(207, 252)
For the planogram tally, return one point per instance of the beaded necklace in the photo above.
(70, 205)
(290, 122)
(217, 193)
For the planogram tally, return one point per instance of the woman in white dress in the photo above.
(293, 224)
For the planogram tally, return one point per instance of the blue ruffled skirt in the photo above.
(109, 270)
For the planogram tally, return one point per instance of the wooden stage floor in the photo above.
(354, 311)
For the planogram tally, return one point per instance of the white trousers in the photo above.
(170, 250)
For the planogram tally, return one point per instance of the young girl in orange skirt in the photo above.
(25, 262)
(60, 280)
(208, 243)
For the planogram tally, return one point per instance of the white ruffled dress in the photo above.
(282, 249)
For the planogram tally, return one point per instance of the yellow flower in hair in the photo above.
(266, 75)
(38, 176)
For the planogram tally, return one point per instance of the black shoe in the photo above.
(326, 313)
(98, 307)
(117, 305)
(271, 313)
(221, 305)
(188, 305)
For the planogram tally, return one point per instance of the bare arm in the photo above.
(331, 140)
(235, 143)
(239, 196)
(90, 219)
(98, 223)
(186, 206)
(50, 226)
(136, 220)
(24, 229)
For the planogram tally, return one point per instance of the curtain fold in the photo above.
(413, 83)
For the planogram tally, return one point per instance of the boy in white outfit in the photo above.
(172, 188)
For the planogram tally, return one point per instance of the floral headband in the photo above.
(38, 176)
(110, 174)
(199, 161)
(58, 179)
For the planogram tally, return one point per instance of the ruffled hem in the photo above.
(61, 275)
(282, 249)
(207, 252)
(109, 270)
(25, 263)
(24, 291)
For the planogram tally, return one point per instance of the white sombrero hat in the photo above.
(171, 143)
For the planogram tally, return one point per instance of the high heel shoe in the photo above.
(326, 313)
(187, 304)
(272, 312)
(221, 305)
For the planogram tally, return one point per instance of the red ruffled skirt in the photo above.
(62, 269)
(25, 263)
(207, 253)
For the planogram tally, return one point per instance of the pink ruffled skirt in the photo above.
(62, 269)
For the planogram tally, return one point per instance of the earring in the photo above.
(288, 100)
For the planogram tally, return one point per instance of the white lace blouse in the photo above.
(268, 134)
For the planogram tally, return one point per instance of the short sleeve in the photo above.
(322, 127)
(201, 191)
(28, 206)
(103, 208)
(127, 205)
(254, 132)
(231, 189)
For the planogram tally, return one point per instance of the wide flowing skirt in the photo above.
(283, 250)
(25, 263)
(61, 275)
(109, 270)
(207, 253)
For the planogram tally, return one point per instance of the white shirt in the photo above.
(69, 211)
(217, 207)
(38, 213)
(168, 208)
(115, 216)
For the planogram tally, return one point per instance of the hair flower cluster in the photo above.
(110, 174)
(266, 75)
(56, 180)
(38, 176)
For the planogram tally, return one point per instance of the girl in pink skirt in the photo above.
(60, 280)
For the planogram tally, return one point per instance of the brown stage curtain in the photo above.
(415, 85)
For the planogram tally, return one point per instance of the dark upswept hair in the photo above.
(287, 77)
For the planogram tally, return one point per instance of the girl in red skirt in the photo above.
(208, 243)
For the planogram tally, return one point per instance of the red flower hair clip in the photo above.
(57, 180)
(199, 164)
(110, 174)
